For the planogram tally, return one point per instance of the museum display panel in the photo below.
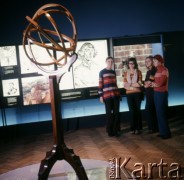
(138, 47)
(81, 82)
(35, 90)
(83, 97)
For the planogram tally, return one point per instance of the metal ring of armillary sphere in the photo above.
(37, 33)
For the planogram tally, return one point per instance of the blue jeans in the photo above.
(161, 105)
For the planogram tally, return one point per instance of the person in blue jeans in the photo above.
(160, 85)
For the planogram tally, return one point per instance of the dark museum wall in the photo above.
(98, 19)
(105, 19)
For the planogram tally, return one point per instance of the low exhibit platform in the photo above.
(61, 170)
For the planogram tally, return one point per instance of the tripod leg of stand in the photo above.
(47, 163)
(75, 162)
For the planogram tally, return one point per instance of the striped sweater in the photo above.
(107, 84)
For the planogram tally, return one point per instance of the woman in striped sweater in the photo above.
(110, 96)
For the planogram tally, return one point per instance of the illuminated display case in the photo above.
(81, 82)
(23, 84)
(138, 47)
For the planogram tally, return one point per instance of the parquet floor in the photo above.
(95, 144)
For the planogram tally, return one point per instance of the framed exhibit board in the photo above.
(8, 61)
(91, 59)
(138, 47)
(8, 56)
(35, 90)
(10, 87)
(85, 71)
(11, 92)
(40, 55)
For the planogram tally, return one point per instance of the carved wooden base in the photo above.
(61, 153)
(59, 150)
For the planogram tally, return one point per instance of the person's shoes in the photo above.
(110, 134)
(164, 136)
(150, 132)
(118, 134)
(137, 132)
(155, 130)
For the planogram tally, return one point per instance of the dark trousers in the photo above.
(112, 115)
(134, 104)
(161, 104)
(150, 110)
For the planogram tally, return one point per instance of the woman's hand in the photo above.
(127, 85)
(101, 100)
(147, 84)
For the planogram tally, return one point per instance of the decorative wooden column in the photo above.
(59, 150)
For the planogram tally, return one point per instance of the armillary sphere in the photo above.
(47, 30)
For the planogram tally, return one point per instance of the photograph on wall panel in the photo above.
(85, 71)
(10, 87)
(8, 61)
(8, 56)
(139, 51)
(11, 92)
(35, 90)
(41, 55)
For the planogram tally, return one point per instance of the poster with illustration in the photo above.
(35, 90)
(10, 87)
(41, 55)
(91, 59)
(85, 71)
(8, 56)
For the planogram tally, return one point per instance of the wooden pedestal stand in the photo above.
(59, 150)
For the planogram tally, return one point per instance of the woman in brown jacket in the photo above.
(133, 84)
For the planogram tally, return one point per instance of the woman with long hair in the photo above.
(132, 84)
